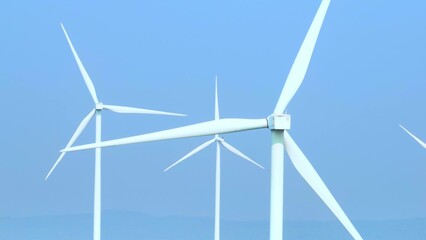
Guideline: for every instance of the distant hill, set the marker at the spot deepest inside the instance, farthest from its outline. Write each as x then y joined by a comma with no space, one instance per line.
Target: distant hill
119,225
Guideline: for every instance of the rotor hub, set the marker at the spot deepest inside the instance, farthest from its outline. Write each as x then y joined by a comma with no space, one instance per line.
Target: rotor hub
99,106
219,139
279,121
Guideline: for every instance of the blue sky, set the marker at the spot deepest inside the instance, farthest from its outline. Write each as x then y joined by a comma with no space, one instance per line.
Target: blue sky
366,76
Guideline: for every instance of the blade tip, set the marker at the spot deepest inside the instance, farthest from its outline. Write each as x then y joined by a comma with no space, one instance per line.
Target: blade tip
47,176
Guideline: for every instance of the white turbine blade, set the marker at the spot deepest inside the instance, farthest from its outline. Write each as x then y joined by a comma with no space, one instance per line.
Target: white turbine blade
197,149
301,63
216,103
196,130
83,71
74,137
415,138
122,109
308,172
237,152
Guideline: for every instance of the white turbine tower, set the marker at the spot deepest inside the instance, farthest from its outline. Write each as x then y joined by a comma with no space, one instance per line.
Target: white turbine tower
97,112
415,138
219,141
279,124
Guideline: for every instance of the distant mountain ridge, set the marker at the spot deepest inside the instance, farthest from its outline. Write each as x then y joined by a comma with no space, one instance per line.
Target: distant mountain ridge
119,225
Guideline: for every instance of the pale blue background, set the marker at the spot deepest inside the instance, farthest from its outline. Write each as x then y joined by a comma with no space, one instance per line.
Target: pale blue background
367,75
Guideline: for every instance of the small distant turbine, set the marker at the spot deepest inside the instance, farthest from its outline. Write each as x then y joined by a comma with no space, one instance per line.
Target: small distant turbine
97,112
219,141
415,138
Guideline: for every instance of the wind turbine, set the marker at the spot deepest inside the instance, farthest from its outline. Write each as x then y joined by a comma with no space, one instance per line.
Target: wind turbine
279,124
219,141
415,138
99,106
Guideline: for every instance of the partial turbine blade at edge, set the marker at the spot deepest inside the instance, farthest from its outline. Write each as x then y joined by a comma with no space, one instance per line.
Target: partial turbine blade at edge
197,149
237,152
196,130
216,102
301,63
123,109
308,172
74,137
415,138
83,71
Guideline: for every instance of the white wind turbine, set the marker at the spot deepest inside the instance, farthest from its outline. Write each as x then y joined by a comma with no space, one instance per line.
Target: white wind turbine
219,141
415,138
97,112
279,124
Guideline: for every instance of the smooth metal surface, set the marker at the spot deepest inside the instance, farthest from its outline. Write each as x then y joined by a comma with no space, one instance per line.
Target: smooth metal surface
277,186
123,109
303,58
279,121
74,137
305,168
217,195
196,130
197,149
97,187
83,71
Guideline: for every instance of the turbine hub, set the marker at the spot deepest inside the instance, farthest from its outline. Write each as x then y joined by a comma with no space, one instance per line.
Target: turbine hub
279,121
99,106
219,139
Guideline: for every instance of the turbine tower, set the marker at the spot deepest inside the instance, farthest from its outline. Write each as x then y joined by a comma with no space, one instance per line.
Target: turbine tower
99,106
219,141
279,124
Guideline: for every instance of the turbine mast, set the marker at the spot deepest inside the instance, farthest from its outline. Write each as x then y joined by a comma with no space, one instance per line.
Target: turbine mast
277,185
217,200
97,191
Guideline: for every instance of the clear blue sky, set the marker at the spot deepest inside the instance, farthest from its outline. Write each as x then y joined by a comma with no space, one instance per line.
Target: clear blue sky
367,75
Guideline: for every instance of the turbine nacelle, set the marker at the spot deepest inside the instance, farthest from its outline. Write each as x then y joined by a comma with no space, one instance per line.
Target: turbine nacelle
279,121
99,106
218,139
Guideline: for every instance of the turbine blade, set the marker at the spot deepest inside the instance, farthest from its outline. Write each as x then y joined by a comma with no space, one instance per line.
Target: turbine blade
216,103
122,109
308,172
83,71
237,152
74,137
197,149
301,63
196,130
415,138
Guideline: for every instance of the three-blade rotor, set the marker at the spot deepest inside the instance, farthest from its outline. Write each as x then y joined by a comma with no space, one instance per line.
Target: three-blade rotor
99,106
217,139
